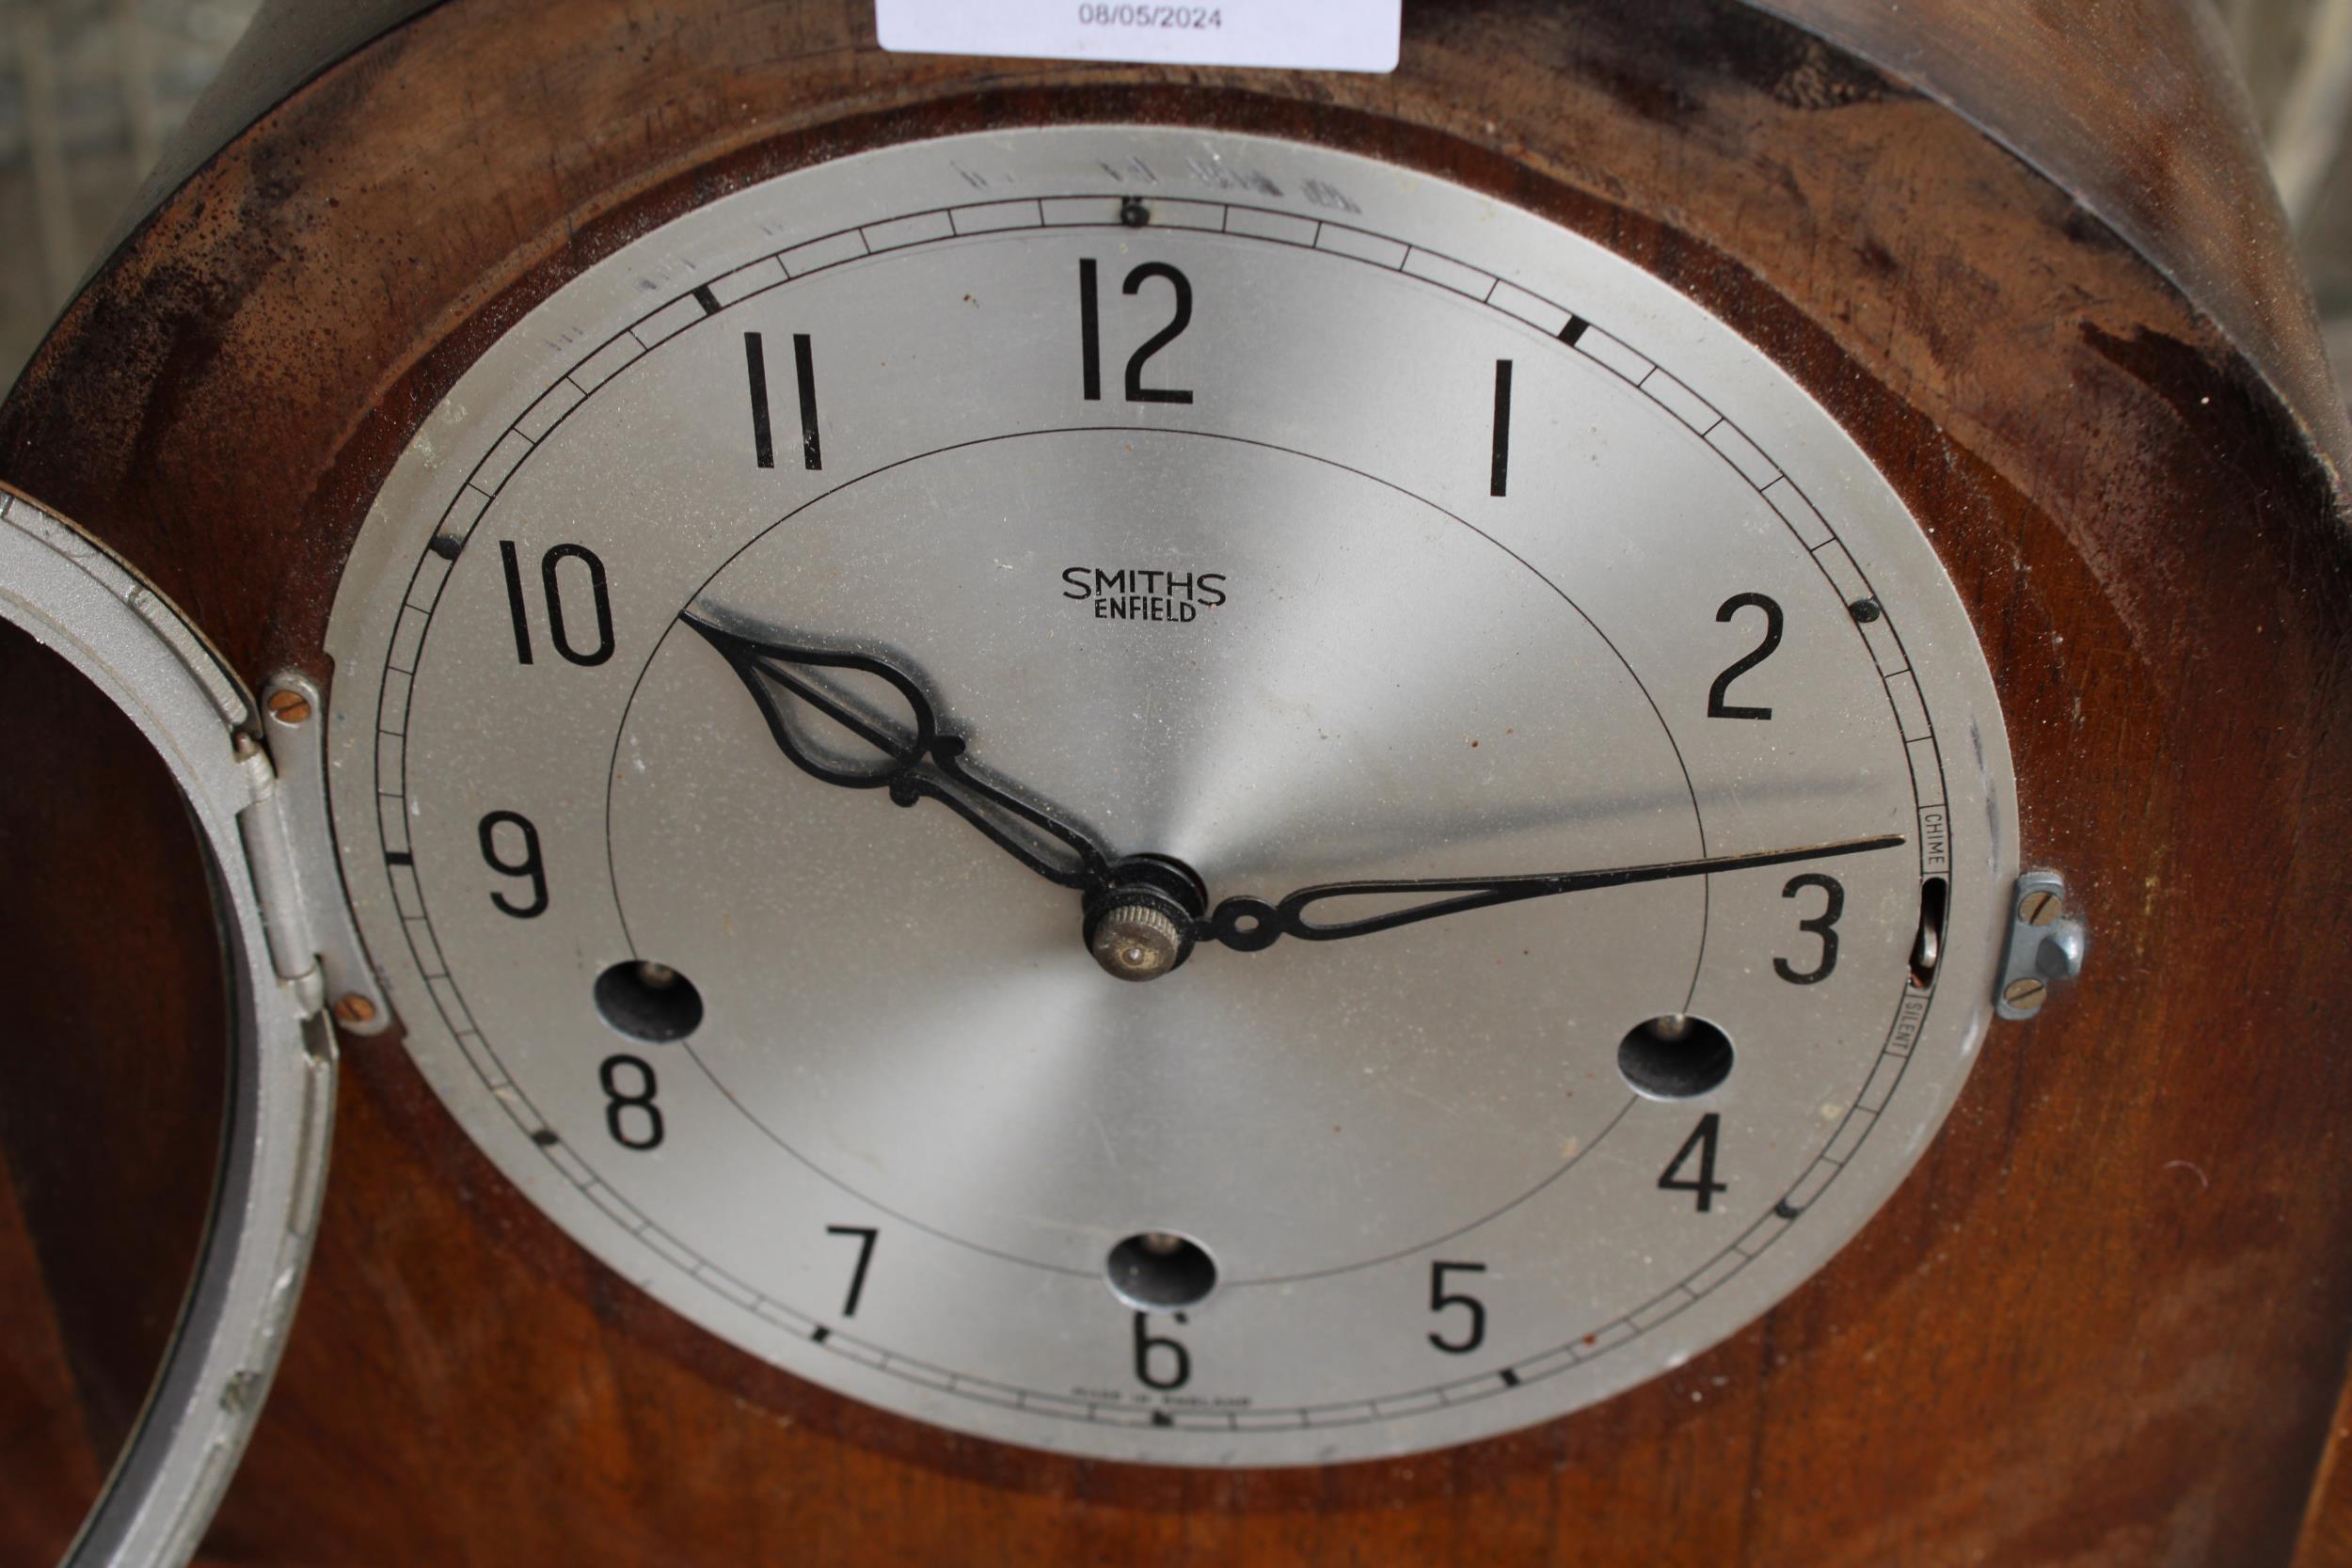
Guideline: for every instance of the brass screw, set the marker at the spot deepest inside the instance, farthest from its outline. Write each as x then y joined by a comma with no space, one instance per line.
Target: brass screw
2026,994
354,1009
2038,908
289,706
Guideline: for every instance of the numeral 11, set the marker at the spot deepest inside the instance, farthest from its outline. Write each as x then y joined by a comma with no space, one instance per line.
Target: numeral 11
804,372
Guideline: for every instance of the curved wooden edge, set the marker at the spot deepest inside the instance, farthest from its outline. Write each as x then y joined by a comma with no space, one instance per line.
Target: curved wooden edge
46,1452
2137,110
2326,1537
285,44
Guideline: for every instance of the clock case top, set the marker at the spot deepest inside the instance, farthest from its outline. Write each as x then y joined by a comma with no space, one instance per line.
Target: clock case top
2135,110
2121,1243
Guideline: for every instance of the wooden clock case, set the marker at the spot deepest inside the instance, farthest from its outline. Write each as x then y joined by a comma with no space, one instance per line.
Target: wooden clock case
2023,253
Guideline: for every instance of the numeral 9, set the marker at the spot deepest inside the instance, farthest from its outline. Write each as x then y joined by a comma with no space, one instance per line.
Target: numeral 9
530,866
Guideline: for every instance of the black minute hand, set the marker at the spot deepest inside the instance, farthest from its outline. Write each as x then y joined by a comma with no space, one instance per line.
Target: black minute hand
1247,923
907,755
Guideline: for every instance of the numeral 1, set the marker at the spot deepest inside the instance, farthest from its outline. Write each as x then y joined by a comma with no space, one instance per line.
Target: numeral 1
1500,478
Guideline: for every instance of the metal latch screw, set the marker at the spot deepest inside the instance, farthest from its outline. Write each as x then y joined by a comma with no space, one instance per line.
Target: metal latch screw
2045,945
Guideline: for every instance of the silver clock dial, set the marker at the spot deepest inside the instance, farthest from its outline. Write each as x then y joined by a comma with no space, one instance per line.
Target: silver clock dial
799,658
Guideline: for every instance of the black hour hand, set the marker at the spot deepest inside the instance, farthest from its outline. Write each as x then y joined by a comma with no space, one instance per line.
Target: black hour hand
857,722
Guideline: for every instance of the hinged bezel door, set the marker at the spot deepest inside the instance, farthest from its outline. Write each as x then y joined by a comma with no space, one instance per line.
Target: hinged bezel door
81,602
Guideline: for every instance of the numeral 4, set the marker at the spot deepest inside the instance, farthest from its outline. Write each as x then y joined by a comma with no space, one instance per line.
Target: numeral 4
1699,1146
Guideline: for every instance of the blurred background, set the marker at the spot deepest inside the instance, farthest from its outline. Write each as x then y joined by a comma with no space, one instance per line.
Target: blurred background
89,92
91,89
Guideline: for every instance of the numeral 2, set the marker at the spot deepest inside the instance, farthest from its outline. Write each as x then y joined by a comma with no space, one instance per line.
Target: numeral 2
1090,332
1716,707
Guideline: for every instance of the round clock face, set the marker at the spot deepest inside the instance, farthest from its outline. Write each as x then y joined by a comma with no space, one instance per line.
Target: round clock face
1169,796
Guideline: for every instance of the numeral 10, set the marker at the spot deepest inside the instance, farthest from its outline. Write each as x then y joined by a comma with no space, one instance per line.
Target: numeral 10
552,580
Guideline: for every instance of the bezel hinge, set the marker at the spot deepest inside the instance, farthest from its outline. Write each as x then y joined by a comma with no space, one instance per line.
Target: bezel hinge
290,847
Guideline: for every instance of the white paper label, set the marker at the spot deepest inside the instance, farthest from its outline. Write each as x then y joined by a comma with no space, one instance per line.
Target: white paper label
1306,35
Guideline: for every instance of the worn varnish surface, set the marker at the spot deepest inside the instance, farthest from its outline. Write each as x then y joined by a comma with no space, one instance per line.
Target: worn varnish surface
2135,107
2105,1320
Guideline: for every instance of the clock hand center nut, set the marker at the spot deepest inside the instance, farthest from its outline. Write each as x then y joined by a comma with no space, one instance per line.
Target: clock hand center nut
1137,940
1140,925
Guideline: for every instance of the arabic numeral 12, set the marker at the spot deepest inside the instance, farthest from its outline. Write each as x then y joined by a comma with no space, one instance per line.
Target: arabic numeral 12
1090,331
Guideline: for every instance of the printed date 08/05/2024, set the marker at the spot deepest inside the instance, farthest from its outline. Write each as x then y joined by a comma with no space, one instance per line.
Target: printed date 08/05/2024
1185,18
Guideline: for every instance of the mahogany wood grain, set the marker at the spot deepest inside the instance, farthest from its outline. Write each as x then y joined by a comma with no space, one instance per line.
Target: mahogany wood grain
48,1473
2103,1322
